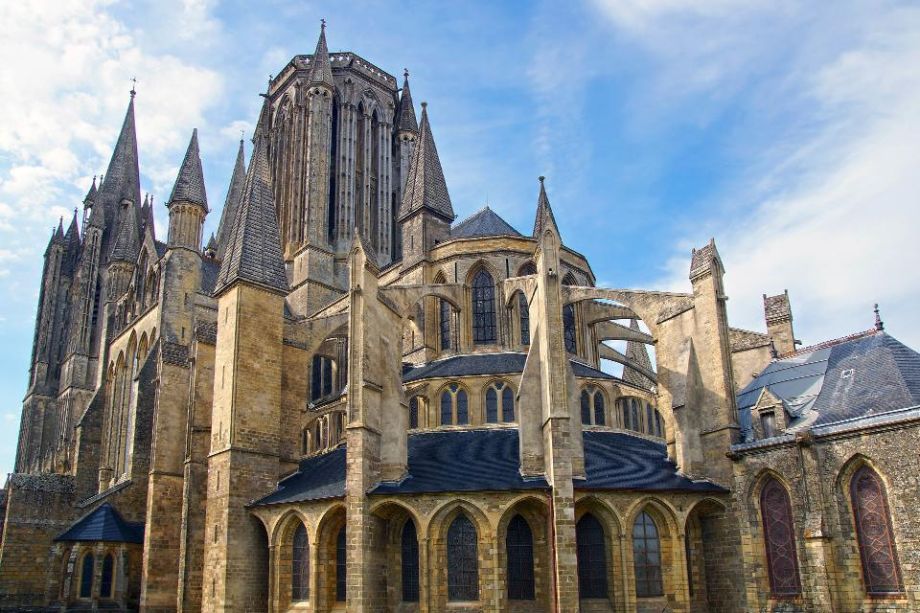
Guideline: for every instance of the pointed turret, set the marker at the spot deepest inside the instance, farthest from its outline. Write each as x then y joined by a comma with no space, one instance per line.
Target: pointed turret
127,238
425,186
321,69
147,216
544,218
90,197
122,179
253,252
59,233
234,193
73,231
188,202
406,121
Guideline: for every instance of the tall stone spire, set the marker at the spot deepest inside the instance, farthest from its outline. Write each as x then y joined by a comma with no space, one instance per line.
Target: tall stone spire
234,193
127,238
321,72
406,121
425,186
122,179
637,353
189,185
544,217
253,252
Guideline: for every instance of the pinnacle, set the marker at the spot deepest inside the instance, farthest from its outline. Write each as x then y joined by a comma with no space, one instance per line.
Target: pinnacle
189,185
122,178
544,218
321,73
127,243
407,121
234,193
425,185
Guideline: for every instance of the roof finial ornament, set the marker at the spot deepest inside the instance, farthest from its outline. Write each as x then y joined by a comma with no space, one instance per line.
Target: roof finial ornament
424,105
406,73
322,24
879,324
133,87
242,135
541,178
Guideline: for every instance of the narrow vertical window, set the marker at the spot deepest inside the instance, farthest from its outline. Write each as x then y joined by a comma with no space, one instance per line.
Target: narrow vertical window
634,414
768,424
300,565
447,408
649,419
873,531
413,412
483,308
462,560
591,552
86,576
600,414
779,539
463,416
658,429
524,314
647,557
340,567
108,574
568,326
519,549
444,324
507,404
491,405
409,551
624,409
688,554
585,408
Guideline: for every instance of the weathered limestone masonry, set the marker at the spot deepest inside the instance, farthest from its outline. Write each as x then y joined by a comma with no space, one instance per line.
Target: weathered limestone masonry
348,400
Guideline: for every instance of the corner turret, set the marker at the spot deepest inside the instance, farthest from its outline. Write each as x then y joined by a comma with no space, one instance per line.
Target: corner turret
188,203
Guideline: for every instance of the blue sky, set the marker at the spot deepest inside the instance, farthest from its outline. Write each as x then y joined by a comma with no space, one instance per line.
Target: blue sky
786,130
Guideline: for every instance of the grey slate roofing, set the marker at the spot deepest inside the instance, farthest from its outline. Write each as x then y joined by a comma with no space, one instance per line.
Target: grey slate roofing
234,194
701,258
321,72
253,251
122,178
486,364
776,307
488,460
189,185
484,222
160,247
544,217
614,460
210,269
104,524
425,185
858,376
406,121
91,194
127,244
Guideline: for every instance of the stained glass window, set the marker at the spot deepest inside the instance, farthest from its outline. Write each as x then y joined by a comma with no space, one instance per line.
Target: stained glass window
507,404
86,576
409,562
300,565
519,547
600,417
568,327
413,412
447,408
624,408
491,405
340,566
524,311
444,324
779,539
108,573
462,560
647,556
483,308
463,416
873,530
591,551
585,408
528,268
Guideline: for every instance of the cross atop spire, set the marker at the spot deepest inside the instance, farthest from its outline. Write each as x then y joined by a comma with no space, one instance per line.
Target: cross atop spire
321,73
406,121
122,178
133,87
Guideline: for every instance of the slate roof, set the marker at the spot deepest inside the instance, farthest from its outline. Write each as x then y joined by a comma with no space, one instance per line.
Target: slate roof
486,364
253,251
210,269
425,185
104,524
406,121
858,376
234,194
189,185
122,178
317,478
615,461
484,222
544,217
701,258
321,72
127,244
777,307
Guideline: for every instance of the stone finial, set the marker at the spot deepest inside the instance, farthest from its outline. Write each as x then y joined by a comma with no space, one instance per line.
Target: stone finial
879,324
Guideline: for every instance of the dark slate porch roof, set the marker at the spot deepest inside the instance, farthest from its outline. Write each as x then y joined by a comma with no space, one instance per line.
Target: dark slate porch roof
486,364
104,524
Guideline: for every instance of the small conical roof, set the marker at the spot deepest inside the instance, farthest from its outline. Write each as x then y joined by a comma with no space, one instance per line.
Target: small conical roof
91,194
73,231
253,252
122,179
321,69
127,242
406,121
189,185
147,216
234,193
211,247
59,233
544,217
425,185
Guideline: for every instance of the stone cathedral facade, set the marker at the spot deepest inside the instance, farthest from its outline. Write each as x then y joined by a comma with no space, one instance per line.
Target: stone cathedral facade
347,400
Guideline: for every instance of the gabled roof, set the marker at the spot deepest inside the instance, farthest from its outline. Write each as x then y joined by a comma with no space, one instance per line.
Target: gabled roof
234,194
861,375
104,524
484,222
425,185
486,364
189,186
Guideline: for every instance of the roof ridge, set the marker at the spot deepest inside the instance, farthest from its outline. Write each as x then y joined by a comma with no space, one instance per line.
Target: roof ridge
830,343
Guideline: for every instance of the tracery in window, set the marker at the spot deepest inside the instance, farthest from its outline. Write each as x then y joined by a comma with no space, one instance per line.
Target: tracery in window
519,549
321,377
881,571
483,291
409,551
462,560
647,556
568,327
591,552
779,539
300,565
593,406
454,406
499,402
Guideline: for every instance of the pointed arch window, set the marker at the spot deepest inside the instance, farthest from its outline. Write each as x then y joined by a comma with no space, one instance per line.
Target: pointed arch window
647,557
591,552
444,323
519,549
649,419
878,554
409,550
483,308
568,325
340,566
779,539
462,560
321,377
593,406
414,404
499,403
585,408
454,406
86,576
300,565
107,581
524,313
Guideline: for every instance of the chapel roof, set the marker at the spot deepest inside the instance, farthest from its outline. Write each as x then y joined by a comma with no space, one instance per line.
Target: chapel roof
104,523
484,222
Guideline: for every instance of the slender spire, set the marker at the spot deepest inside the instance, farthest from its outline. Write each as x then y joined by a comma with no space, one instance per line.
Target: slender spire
210,250
90,197
879,324
425,185
127,240
73,231
264,123
189,185
253,252
321,72
59,233
147,216
544,218
406,121
234,193
122,179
